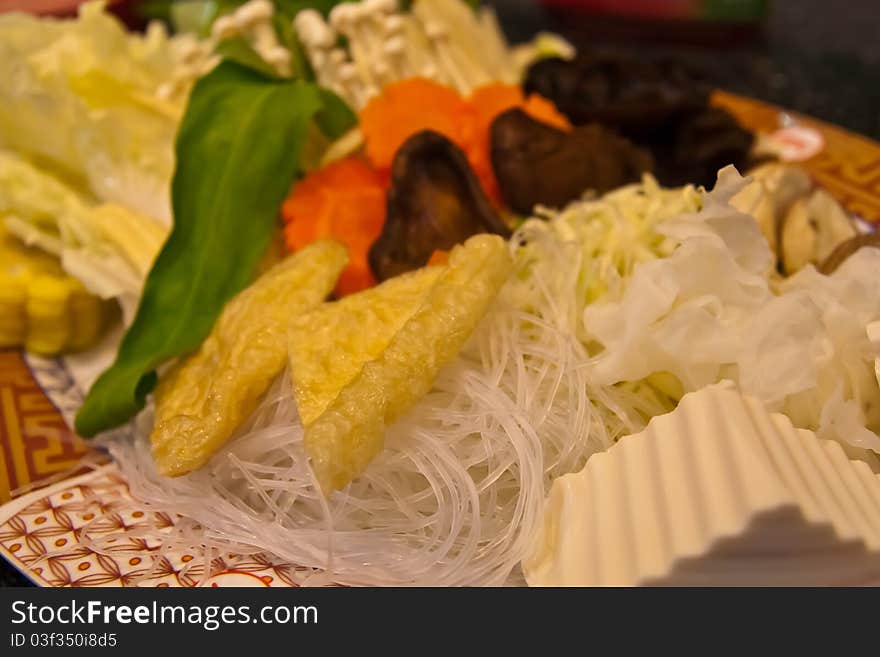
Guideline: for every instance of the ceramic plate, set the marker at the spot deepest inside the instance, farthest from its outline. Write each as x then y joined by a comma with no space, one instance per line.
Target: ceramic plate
52,485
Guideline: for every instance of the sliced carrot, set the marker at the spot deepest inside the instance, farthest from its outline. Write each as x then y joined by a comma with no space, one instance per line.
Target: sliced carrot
344,201
492,99
407,107
439,257
543,110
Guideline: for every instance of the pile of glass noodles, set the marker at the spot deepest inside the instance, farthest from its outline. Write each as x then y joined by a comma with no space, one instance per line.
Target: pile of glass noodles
458,492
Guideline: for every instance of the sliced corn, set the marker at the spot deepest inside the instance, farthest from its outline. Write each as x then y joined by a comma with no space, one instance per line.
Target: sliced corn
42,308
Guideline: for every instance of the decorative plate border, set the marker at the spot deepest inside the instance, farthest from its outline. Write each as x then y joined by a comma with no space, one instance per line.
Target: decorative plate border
40,535
55,380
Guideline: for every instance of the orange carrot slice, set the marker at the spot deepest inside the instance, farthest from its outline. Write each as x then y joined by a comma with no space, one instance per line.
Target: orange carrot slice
344,201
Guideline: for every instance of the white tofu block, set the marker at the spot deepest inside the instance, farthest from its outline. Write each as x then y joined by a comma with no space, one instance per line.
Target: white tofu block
717,492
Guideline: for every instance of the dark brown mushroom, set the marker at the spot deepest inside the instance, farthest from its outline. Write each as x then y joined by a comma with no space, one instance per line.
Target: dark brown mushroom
846,249
435,202
699,145
538,164
658,103
634,95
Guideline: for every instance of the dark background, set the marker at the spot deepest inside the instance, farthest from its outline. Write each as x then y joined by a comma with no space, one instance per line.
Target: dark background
814,56
817,57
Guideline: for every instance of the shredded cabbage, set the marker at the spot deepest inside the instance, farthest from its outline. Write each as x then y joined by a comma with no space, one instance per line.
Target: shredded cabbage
108,247
84,96
612,234
714,309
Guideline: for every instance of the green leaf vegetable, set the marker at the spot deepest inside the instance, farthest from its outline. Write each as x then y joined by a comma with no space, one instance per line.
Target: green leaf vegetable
335,117
238,150
240,51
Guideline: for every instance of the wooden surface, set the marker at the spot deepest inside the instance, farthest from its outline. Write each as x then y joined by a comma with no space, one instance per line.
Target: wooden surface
848,166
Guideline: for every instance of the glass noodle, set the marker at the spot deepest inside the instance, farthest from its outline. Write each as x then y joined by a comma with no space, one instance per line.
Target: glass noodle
453,498
456,495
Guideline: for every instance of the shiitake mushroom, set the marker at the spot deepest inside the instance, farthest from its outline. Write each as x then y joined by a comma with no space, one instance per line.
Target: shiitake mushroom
699,145
848,248
802,224
657,103
812,229
538,164
636,96
769,197
435,202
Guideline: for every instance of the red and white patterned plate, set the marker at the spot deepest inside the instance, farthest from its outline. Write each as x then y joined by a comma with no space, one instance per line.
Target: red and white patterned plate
41,532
